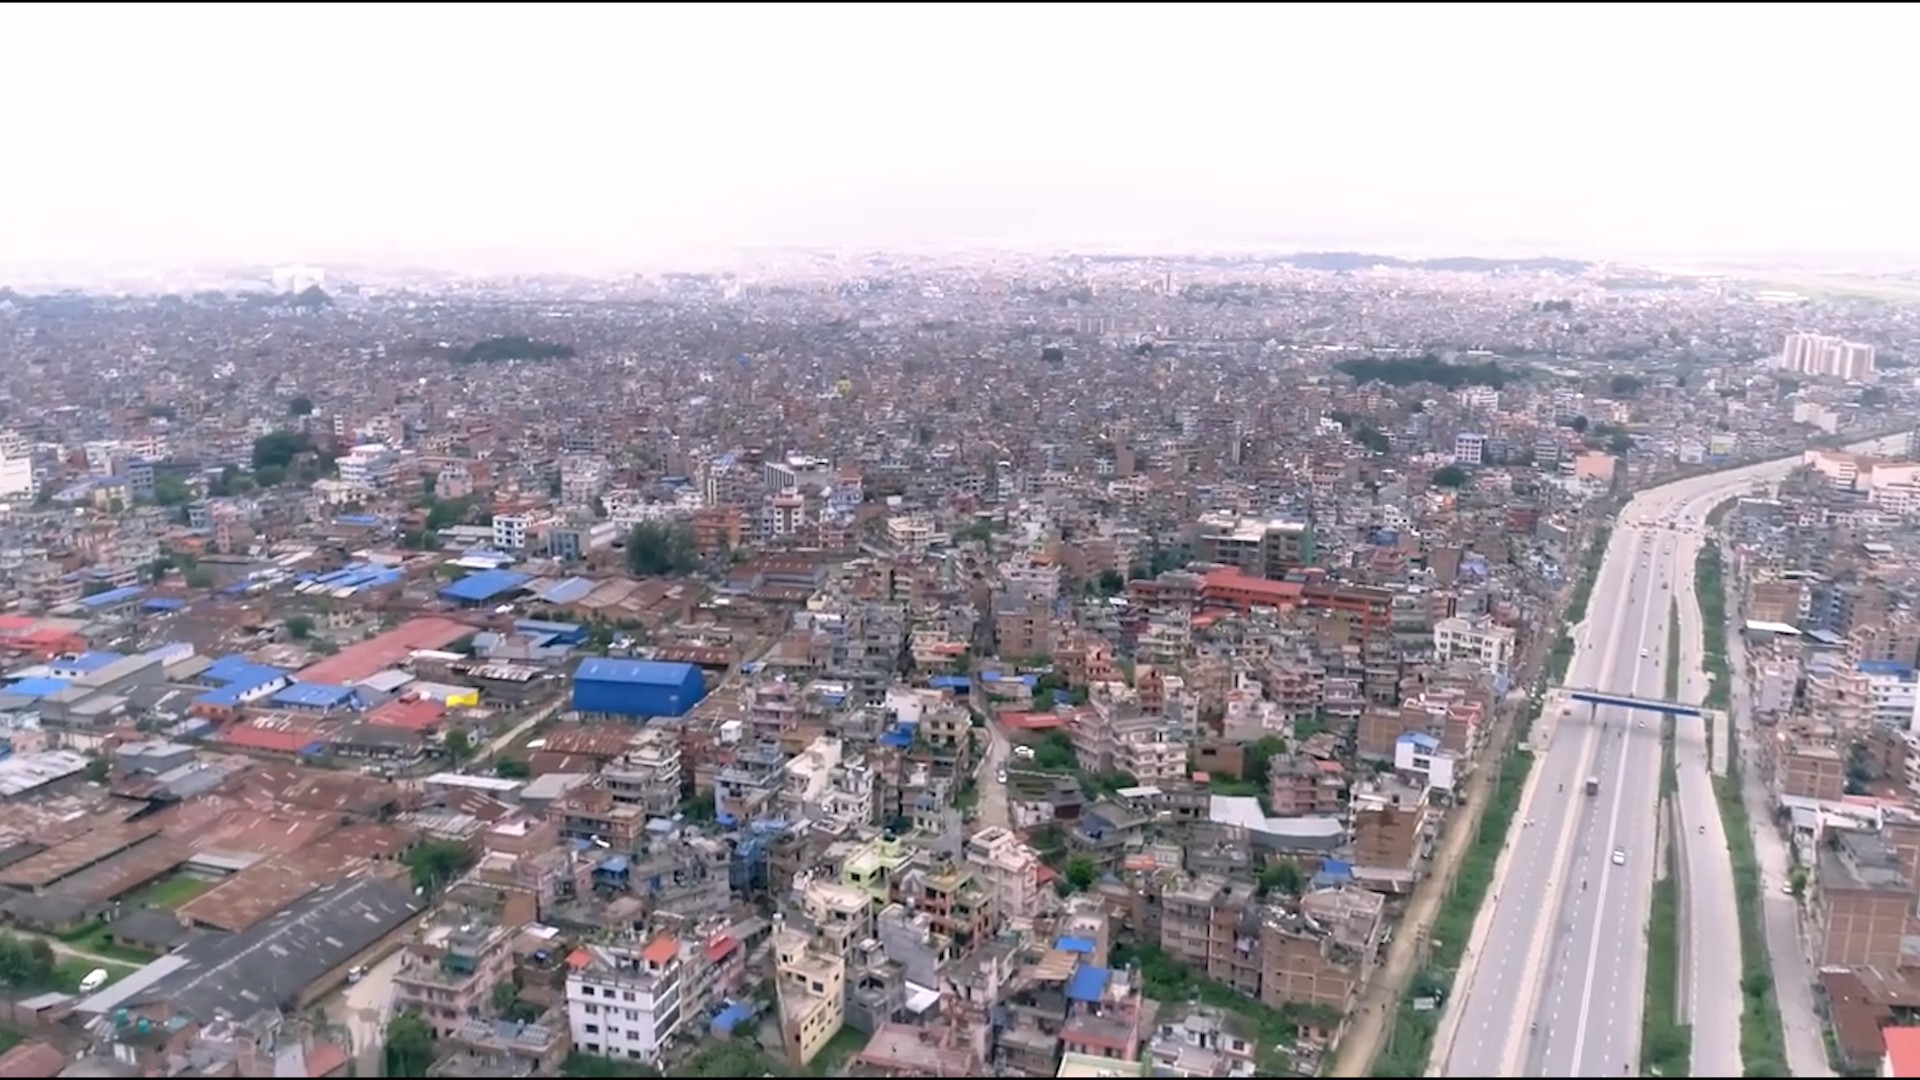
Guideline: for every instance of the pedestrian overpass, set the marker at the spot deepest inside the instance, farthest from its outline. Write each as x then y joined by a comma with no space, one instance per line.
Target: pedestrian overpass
1621,701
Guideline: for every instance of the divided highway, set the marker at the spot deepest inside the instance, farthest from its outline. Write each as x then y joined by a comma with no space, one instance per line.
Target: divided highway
1553,981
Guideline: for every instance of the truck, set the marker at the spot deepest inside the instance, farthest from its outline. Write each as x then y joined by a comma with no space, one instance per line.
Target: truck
1593,785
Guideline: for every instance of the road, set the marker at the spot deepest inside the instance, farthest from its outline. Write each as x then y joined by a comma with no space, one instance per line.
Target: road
1553,980
992,807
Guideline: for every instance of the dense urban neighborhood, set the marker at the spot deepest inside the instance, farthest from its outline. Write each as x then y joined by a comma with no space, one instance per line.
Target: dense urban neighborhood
893,667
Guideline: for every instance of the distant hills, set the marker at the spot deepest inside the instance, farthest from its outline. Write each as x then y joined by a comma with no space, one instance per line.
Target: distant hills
1461,264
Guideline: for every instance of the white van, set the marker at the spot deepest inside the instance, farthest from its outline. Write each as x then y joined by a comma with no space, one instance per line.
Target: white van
95,979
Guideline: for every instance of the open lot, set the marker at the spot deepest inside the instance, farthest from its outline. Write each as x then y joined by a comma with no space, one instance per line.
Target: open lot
171,892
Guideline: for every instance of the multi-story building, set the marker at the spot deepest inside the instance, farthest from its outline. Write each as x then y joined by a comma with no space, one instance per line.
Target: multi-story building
810,983
626,1004
1825,356
1480,641
448,975
369,466
649,773
1009,870
1257,548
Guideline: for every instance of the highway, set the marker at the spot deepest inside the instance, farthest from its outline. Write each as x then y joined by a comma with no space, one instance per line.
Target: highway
1553,979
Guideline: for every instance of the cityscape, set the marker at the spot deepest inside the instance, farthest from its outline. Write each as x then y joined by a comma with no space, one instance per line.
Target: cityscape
920,541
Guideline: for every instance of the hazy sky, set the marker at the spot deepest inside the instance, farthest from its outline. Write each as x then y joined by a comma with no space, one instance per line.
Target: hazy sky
607,135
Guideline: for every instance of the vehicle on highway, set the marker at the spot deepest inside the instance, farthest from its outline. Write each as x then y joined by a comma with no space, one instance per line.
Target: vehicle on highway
1643,654
1619,856
1593,785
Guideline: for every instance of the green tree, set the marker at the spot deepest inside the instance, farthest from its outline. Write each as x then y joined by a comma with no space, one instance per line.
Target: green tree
512,768
1082,872
437,862
410,1046
99,770
25,963
301,405
1452,476
1112,582
299,627
459,744
1283,877
1625,385
277,449
659,548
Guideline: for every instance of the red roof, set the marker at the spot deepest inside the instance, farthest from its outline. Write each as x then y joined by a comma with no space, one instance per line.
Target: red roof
1032,721
409,714
273,740
719,947
660,950
356,662
1903,1050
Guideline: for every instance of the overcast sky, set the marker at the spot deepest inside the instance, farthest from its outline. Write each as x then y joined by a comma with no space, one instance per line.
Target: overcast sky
603,136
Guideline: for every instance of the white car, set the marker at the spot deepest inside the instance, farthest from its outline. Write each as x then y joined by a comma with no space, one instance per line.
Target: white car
1000,777
1619,856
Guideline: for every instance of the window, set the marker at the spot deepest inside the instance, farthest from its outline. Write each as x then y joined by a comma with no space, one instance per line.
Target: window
627,996
593,1029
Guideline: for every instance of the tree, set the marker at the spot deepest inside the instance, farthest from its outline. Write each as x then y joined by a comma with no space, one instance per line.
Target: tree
1112,582
1451,476
25,963
459,744
99,770
410,1049
1082,872
1625,385
437,862
1579,425
277,449
299,627
660,548
1256,759
1620,442
1283,877
512,768
301,405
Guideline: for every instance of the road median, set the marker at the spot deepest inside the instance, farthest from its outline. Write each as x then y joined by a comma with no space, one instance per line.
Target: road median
1763,1045
1666,1041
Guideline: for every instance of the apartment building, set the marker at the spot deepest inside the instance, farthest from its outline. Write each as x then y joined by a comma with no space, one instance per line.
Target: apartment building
810,983
1257,548
1008,869
1299,786
1321,950
648,774
625,1003
1862,902
1826,356
1480,641
449,973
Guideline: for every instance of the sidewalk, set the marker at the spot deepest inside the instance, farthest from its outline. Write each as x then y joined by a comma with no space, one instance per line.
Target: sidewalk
1379,1002
1804,1031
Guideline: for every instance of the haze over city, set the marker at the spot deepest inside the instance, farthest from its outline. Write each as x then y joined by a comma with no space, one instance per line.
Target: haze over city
590,138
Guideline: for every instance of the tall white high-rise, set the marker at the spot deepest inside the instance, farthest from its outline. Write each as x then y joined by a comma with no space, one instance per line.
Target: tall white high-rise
1824,356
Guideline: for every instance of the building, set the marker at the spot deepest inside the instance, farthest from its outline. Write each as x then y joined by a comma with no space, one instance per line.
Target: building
368,467
448,976
1261,549
1469,448
811,986
636,689
1481,641
1824,356
625,1004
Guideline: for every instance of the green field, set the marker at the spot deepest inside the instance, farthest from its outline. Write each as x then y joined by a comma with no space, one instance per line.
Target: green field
170,892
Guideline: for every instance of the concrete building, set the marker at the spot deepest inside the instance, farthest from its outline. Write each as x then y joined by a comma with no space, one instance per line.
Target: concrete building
1825,356
449,973
625,1004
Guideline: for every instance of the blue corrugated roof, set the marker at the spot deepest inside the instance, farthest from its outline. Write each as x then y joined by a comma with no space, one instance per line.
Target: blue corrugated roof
239,671
37,688
1886,667
313,695
641,672
226,695
357,519
112,597
1075,945
950,682
163,603
896,739
485,585
1421,739
1089,983
90,661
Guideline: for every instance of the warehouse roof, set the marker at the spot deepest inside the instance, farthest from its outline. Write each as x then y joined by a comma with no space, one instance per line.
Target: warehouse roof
239,671
637,672
485,585
314,696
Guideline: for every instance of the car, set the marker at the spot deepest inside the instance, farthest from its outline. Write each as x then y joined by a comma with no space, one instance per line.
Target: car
1000,777
356,973
1786,888
1644,654
1619,856
95,979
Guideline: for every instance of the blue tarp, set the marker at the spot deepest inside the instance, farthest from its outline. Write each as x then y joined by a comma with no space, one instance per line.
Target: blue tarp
1083,946
731,1017
163,603
1089,984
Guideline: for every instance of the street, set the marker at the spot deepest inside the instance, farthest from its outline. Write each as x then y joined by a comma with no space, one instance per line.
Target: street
1552,983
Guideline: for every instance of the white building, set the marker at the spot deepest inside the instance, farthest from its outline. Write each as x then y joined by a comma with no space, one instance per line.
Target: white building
1823,356
369,466
1480,640
624,1003
510,531
1469,448
1419,754
1009,869
1891,694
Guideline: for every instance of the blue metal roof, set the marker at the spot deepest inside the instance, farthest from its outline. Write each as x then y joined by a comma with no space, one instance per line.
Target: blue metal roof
91,661
1080,945
239,671
163,603
314,695
1089,983
357,519
639,672
1421,739
950,682
112,597
1887,667
37,688
485,585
